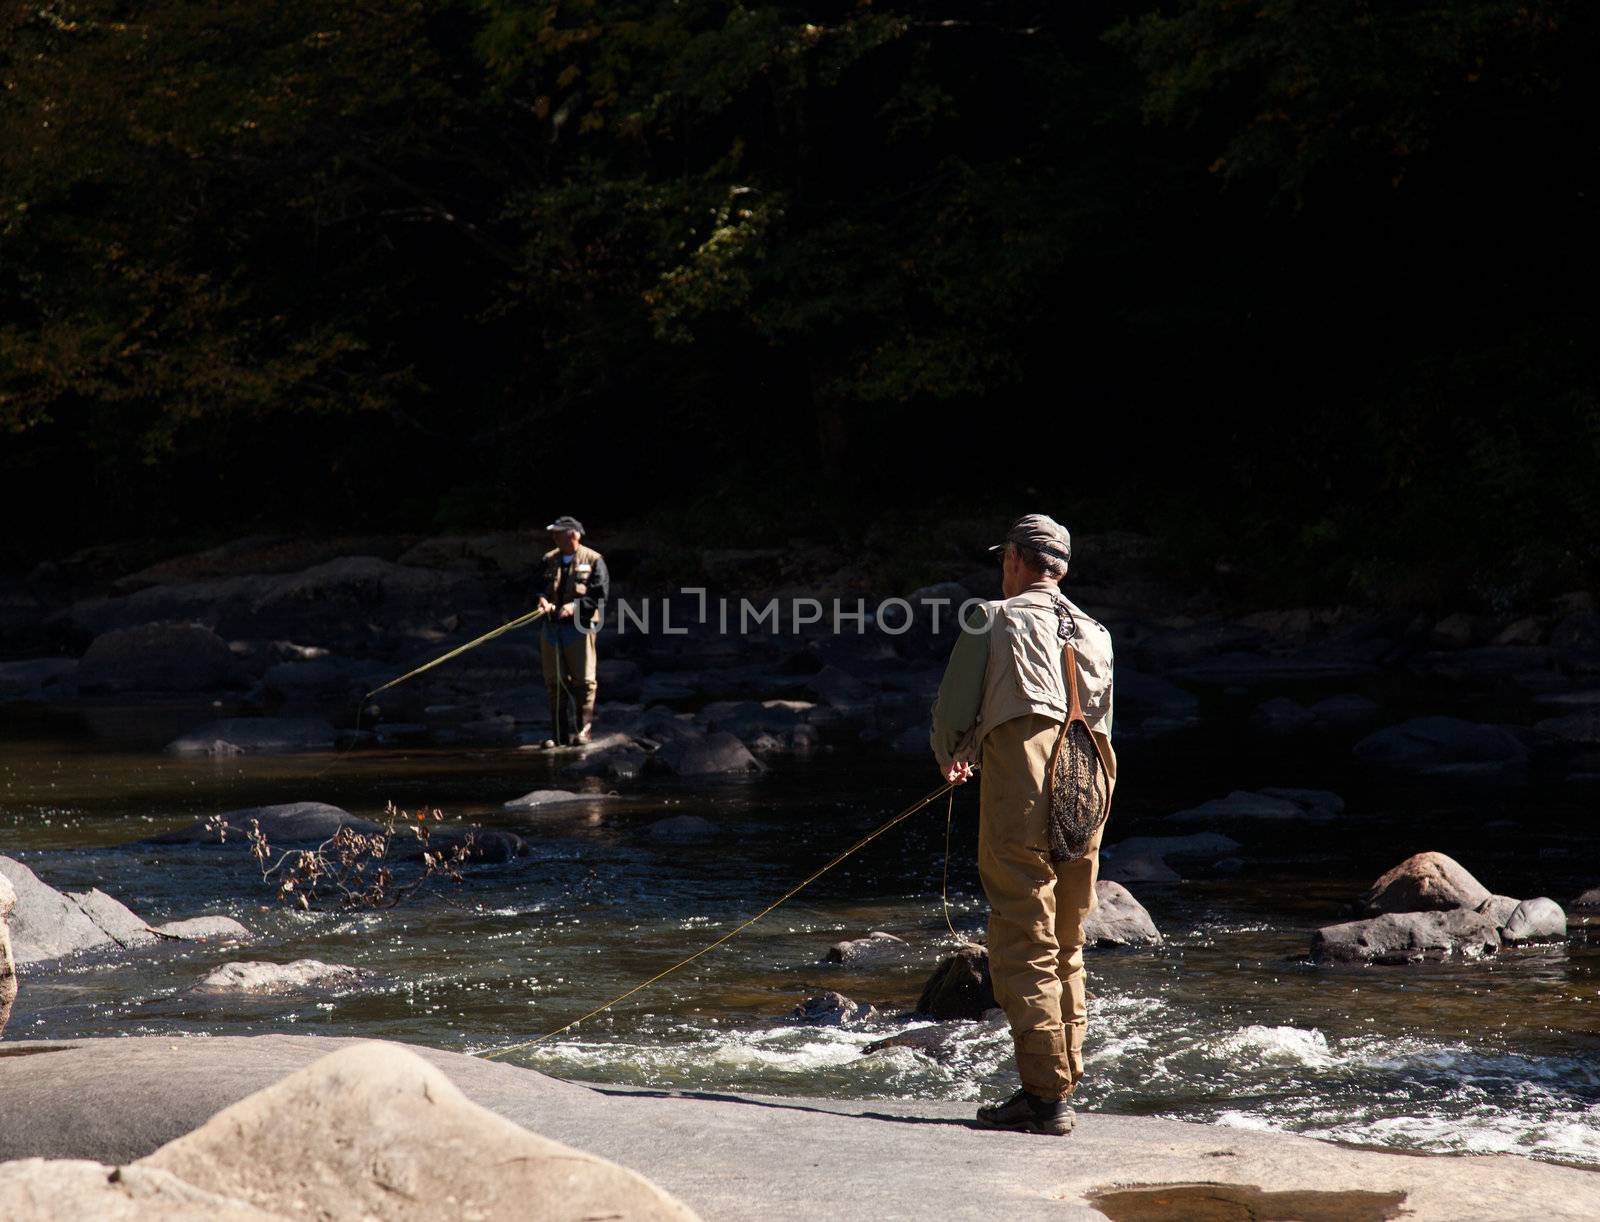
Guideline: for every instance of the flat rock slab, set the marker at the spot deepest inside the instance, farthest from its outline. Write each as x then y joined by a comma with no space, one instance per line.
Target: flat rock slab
1408,937
255,976
732,1157
48,924
542,799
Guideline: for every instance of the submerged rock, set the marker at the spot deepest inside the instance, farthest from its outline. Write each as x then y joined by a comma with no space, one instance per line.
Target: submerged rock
960,986
1119,920
717,754
1535,920
541,799
255,736
205,929
1275,805
260,977
683,829
1443,746
874,947
831,1009
287,823
1424,882
942,1041
1407,937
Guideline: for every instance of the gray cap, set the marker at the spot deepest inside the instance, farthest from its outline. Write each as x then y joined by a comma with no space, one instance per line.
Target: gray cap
566,522
1042,533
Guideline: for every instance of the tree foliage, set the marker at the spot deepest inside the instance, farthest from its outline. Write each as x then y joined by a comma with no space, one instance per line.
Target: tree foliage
1284,280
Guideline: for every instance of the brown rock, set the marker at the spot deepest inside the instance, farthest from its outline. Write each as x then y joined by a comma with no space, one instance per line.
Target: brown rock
376,1132
1424,882
960,986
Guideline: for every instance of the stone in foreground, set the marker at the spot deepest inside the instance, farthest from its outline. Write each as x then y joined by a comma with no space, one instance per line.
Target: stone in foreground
1424,882
376,1132
1407,937
1536,920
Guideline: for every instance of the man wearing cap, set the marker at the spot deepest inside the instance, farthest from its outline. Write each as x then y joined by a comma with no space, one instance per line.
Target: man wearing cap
573,590
1001,706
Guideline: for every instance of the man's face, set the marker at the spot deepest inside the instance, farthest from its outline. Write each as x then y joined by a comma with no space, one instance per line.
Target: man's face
565,540
1014,579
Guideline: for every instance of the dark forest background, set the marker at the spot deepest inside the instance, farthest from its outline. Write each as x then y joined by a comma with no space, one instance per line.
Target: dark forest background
1298,288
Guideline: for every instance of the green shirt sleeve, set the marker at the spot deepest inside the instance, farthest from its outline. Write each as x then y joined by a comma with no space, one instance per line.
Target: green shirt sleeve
955,710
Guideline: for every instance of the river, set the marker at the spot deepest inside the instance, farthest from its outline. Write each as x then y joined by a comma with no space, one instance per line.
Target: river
1227,1022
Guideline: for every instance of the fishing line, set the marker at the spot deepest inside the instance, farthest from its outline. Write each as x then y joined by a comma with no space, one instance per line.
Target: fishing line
919,804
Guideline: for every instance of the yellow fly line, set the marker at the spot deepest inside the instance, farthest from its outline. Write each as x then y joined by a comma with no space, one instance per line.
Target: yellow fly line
919,804
458,651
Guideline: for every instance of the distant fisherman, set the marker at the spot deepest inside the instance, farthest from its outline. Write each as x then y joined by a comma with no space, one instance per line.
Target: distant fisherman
1002,703
572,595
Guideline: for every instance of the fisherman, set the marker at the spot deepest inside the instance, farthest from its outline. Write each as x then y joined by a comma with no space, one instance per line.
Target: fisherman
1001,705
573,590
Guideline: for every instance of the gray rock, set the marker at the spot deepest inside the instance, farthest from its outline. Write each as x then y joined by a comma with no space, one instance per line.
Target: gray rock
960,986
288,823
1280,715
159,658
8,966
1498,908
1424,882
115,920
543,799
1588,900
48,924
1407,937
205,929
1443,746
1536,920
831,1009
1315,806
856,952
683,829
614,756
1119,920
1582,727
278,978
255,736
38,679
718,754
942,1041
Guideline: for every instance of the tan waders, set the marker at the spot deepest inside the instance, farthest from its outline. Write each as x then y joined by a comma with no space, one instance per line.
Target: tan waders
1037,908
567,657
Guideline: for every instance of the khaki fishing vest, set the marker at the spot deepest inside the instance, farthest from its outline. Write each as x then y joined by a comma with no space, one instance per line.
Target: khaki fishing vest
1025,674
583,562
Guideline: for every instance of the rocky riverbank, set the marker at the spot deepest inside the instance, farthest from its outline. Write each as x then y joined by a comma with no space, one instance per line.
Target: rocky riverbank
152,1144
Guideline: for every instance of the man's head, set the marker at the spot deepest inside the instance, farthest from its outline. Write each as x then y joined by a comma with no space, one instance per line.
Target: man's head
1037,548
565,532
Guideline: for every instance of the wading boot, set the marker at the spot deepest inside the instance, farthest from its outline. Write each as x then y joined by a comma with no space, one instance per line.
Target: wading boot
1025,1113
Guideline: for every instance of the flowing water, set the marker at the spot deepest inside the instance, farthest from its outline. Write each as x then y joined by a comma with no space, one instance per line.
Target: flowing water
1225,1023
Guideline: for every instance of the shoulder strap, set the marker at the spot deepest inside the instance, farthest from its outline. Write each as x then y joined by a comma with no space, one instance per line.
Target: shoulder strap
1069,664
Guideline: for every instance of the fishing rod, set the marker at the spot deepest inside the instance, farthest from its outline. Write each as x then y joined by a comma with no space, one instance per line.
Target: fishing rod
508,626
947,788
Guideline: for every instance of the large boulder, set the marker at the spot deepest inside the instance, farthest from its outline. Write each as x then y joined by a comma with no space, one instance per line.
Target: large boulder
1424,882
1535,920
1407,937
255,736
717,754
8,966
47,924
960,986
159,658
1443,746
1498,908
1119,919
375,1132
48,1190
